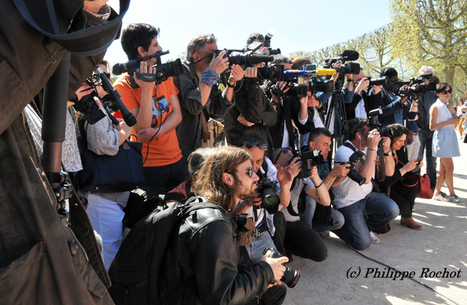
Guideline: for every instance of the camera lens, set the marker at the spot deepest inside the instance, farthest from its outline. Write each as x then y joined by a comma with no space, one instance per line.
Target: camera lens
291,276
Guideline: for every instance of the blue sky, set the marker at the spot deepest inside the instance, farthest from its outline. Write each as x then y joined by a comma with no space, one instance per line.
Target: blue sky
308,26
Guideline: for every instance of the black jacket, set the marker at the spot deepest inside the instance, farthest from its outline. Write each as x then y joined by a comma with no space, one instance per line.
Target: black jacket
202,263
253,104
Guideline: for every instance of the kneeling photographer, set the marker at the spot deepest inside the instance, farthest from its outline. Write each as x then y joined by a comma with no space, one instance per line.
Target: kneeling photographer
327,218
262,207
293,234
403,186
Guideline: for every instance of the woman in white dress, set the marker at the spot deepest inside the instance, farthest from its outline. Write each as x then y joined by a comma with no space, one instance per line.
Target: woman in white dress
443,119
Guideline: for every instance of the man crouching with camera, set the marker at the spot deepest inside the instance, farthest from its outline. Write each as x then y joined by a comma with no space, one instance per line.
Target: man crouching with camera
202,262
364,211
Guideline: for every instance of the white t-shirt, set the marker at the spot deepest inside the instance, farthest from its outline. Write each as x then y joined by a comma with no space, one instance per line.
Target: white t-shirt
348,192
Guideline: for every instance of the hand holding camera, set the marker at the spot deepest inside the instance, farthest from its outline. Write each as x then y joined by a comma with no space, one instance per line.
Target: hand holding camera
285,274
219,63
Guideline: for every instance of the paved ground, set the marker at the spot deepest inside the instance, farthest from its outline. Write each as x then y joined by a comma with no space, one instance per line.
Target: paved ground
441,245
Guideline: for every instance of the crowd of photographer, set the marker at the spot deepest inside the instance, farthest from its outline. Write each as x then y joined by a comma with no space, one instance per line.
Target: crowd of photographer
277,177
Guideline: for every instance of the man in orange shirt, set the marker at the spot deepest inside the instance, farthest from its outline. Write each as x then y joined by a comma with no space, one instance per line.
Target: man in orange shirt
157,111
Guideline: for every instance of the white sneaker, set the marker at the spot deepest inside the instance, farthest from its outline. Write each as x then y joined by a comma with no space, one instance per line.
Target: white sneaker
440,197
454,198
374,238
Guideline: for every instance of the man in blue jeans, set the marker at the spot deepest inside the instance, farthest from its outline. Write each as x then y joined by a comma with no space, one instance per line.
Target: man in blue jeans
425,135
364,211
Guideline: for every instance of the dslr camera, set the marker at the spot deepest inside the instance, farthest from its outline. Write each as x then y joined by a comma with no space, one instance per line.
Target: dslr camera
269,199
309,158
291,276
353,174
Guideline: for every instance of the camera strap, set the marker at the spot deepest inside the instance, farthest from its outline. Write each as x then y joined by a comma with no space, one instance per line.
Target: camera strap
301,204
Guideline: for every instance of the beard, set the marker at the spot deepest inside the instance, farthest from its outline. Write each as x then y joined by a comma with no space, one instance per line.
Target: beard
245,191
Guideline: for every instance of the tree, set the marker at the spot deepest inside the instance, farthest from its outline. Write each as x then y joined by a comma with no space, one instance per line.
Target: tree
431,32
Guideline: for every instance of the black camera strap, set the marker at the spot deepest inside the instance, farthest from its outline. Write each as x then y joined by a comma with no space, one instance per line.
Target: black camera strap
301,204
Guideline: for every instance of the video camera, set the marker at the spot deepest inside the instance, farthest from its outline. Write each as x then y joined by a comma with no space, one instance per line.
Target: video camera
417,86
267,43
89,108
244,58
347,68
269,199
382,81
163,71
308,79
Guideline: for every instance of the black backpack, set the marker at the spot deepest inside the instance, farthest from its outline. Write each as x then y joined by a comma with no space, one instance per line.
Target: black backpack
136,267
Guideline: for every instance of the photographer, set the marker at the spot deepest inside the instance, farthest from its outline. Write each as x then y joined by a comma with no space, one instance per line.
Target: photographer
402,187
293,234
200,96
291,110
252,113
254,207
424,133
156,108
321,140
364,211
202,263
391,104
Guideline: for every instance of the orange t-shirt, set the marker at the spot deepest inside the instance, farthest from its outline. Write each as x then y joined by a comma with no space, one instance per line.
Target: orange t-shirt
163,150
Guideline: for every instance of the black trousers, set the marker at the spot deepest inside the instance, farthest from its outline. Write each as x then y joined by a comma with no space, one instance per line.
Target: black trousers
404,197
273,296
298,238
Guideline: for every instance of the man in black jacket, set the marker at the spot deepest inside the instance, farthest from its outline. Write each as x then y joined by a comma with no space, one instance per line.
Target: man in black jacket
202,263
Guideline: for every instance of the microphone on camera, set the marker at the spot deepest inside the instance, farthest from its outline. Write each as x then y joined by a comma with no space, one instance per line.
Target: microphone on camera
324,72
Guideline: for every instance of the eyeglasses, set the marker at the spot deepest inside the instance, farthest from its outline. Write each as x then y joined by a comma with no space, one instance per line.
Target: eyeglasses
249,171
251,144
283,150
447,91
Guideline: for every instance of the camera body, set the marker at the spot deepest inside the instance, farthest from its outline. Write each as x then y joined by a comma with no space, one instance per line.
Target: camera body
163,72
309,158
291,276
382,81
347,68
269,199
417,86
87,104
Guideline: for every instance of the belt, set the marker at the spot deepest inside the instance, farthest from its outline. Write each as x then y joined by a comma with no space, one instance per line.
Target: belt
262,228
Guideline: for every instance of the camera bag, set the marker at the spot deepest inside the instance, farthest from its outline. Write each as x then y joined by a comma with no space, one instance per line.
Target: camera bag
136,267
107,174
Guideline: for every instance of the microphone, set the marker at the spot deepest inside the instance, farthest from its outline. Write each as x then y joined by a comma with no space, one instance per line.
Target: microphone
128,117
324,72
295,73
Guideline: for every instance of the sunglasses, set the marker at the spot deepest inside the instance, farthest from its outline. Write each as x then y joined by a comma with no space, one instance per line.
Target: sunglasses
251,144
283,150
249,171
447,91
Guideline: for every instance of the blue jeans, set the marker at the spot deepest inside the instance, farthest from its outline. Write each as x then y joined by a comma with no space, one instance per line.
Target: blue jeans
258,244
369,214
337,219
426,141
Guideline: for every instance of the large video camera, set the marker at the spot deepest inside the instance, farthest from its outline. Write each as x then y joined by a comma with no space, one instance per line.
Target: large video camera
382,81
416,86
308,79
244,58
91,111
269,199
163,71
347,68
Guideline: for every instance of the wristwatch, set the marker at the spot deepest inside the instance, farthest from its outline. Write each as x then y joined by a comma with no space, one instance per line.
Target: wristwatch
388,154
231,86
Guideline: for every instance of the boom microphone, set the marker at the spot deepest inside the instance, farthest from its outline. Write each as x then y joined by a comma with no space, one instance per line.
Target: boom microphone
350,55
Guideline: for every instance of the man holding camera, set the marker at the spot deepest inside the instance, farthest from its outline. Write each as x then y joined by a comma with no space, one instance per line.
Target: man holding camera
156,108
200,96
202,264
391,104
424,133
320,140
254,207
364,211
293,234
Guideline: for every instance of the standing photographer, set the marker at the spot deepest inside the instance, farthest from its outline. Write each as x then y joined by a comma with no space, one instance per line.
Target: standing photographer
105,210
157,110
